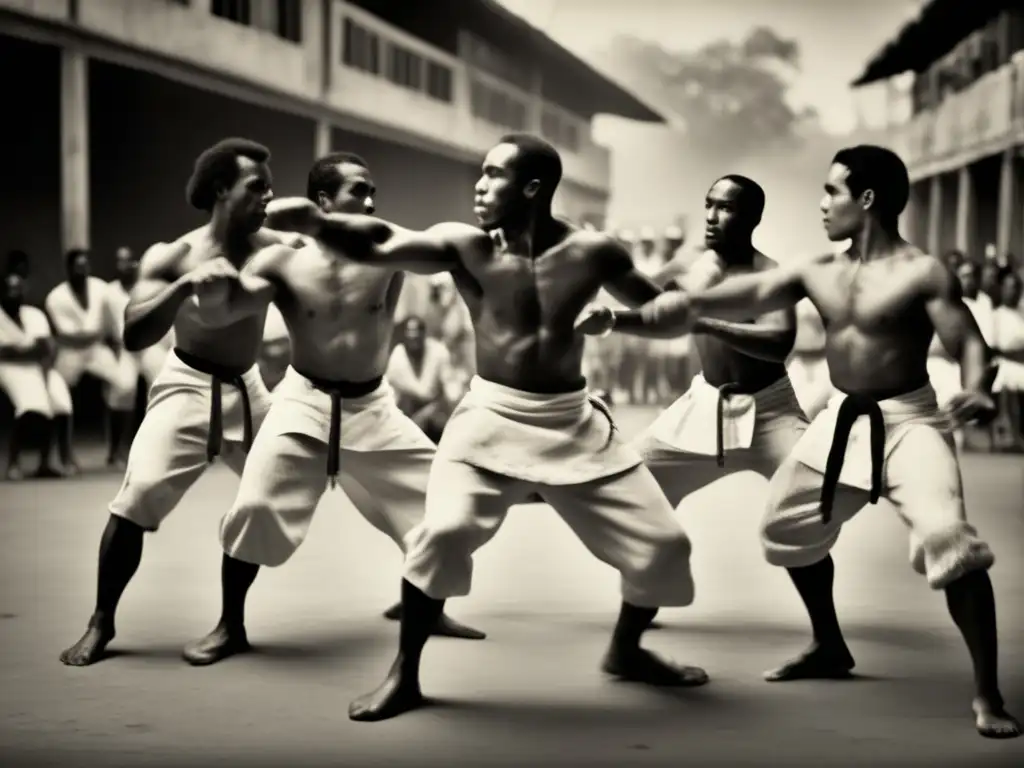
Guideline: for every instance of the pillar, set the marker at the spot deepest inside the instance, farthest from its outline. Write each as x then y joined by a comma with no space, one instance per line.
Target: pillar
322,139
74,148
1008,205
933,237
965,212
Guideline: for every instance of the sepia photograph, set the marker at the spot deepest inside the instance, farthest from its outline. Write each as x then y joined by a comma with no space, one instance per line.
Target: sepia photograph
514,383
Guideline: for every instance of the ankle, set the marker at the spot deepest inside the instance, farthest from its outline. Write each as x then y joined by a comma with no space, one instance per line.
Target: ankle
102,620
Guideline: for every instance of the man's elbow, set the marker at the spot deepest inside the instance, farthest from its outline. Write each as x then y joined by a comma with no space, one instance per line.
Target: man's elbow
135,338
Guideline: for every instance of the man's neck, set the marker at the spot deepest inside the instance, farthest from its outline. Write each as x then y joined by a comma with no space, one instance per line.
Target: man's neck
127,282
875,242
736,255
77,282
528,237
236,244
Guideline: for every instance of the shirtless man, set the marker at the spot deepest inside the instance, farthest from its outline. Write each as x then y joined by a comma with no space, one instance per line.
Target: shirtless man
189,419
741,413
334,417
881,302
527,424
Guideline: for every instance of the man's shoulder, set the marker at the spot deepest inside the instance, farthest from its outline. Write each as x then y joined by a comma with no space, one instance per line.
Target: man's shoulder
33,314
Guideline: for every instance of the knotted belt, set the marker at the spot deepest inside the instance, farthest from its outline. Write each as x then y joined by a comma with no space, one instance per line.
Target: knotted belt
339,390
852,407
724,393
220,375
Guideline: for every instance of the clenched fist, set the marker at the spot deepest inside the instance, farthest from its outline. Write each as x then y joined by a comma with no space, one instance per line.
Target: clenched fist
294,214
211,284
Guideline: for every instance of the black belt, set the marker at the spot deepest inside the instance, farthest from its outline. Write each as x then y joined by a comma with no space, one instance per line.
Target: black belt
724,393
852,407
339,390
220,375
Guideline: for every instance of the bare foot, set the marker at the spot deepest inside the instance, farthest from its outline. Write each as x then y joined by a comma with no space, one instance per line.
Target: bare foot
816,663
46,472
993,721
446,626
216,646
71,469
393,698
90,648
14,473
642,666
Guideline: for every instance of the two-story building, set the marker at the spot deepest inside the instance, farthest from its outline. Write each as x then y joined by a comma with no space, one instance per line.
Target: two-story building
108,102
965,137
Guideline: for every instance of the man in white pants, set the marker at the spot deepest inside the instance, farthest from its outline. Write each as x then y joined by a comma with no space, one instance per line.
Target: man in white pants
39,395
145,362
334,418
77,310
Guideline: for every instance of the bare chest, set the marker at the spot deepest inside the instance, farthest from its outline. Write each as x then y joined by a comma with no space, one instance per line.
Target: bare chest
332,290
866,296
547,290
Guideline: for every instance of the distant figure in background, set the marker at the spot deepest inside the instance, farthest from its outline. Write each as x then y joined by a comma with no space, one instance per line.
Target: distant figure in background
943,370
145,363
275,354
419,371
808,368
651,383
1008,348
39,395
448,320
77,311
990,279
953,260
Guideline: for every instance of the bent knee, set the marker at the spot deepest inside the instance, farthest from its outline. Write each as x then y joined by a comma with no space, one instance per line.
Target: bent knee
950,553
258,532
796,540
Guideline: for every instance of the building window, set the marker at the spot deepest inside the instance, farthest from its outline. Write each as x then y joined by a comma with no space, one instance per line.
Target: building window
485,57
405,68
289,20
497,107
237,11
439,82
361,49
560,130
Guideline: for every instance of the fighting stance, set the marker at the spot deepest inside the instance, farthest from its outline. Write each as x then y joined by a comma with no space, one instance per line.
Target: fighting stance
881,302
740,413
146,362
334,417
209,399
39,395
77,311
527,424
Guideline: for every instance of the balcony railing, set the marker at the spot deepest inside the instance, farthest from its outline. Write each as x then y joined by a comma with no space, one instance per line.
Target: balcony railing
387,76
978,121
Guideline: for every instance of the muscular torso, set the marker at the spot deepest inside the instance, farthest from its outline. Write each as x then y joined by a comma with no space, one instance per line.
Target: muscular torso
877,328
236,346
340,315
524,309
724,364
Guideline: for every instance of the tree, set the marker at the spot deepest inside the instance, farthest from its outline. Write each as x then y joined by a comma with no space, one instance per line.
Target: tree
729,94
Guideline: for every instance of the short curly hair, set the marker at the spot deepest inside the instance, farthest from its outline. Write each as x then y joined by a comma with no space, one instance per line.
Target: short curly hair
217,167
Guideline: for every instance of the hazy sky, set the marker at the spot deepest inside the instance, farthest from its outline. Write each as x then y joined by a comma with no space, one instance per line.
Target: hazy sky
837,37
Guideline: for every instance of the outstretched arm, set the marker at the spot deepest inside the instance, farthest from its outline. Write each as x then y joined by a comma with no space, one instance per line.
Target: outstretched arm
256,286
769,337
957,329
762,293
374,241
156,297
623,280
